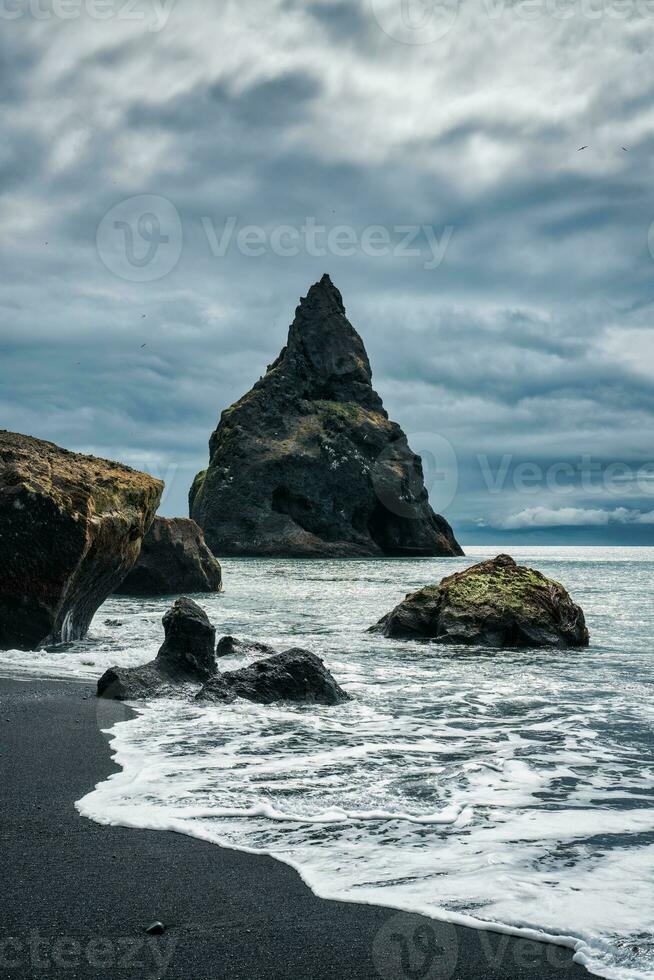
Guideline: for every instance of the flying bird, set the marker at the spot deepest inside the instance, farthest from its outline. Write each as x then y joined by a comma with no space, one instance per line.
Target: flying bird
143,345
582,148
625,149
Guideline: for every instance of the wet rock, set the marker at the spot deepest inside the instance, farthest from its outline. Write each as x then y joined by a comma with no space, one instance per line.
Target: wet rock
71,528
229,646
295,675
308,463
155,929
496,603
174,559
187,656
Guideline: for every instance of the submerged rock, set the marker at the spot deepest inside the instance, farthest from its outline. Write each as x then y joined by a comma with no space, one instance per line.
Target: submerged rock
495,604
71,528
229,646
308,463
295,675
174,558
187,656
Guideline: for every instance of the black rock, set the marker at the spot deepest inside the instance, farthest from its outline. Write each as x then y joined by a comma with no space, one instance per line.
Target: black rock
308,463
187,656
71,528
174,559
295,675
229,646
493,604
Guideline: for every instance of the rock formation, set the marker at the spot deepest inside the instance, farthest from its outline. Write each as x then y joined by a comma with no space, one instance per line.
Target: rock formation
230,646
187,659
71,528
494,604
187,656
307,463
174,559
295,675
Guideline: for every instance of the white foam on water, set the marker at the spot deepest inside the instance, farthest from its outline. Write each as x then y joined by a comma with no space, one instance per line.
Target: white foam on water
512,791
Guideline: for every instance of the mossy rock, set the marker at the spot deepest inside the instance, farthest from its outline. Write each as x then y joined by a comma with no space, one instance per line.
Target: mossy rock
494,604
71,528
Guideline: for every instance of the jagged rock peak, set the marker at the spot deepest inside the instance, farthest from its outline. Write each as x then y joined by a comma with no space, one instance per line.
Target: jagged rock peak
308,463
324,340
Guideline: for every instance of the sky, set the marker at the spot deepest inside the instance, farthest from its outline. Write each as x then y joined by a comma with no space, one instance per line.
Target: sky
174,176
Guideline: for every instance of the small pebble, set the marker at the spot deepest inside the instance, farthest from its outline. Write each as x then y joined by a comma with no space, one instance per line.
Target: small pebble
156,929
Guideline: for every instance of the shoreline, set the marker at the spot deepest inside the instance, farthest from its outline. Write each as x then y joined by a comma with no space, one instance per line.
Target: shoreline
78,895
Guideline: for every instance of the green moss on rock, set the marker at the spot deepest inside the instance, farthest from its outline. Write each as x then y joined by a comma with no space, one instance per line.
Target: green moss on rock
495,603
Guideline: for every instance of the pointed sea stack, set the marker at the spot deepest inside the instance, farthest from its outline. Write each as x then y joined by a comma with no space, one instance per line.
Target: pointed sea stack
308,464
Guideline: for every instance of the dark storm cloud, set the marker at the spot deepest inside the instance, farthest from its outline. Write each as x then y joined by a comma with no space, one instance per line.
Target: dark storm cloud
344,21
529,338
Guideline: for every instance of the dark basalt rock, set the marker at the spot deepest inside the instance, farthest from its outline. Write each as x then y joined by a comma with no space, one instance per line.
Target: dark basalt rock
187,656
71,528
174,558
307,463
295,675
229,646
494,604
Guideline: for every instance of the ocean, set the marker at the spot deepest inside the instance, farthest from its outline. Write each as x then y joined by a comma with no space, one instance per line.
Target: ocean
508,789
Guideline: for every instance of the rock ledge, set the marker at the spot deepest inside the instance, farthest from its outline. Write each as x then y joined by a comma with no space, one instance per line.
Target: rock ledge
71,528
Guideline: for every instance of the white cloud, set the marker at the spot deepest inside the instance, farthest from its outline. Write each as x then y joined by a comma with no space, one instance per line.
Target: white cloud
575,517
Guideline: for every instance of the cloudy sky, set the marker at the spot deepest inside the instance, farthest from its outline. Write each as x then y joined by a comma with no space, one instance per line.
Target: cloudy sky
176,175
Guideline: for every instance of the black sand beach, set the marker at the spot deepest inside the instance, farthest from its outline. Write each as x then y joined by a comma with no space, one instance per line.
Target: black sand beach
76,896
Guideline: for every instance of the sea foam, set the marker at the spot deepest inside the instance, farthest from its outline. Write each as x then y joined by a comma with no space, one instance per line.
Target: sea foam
509,790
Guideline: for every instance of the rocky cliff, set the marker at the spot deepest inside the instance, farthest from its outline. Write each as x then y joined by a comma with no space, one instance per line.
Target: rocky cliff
71,528
308,463
174,559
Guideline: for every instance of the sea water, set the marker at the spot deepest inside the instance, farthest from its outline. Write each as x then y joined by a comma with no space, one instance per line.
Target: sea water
508,788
